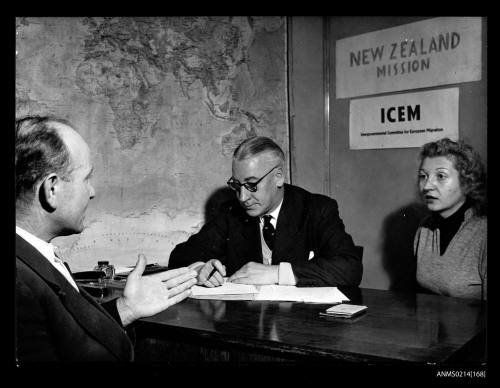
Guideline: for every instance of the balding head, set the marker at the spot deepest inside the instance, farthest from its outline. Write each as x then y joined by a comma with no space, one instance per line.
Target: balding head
41,149
53,170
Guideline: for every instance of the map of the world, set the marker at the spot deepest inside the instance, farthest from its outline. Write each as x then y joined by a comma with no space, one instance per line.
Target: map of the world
162,103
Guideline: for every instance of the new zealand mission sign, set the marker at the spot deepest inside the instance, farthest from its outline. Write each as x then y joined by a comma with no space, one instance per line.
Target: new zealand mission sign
428,53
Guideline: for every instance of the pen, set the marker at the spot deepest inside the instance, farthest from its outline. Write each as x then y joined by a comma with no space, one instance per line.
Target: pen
211,273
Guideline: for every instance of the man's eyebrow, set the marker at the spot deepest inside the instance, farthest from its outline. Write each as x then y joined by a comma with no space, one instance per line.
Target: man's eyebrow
250,177
244,180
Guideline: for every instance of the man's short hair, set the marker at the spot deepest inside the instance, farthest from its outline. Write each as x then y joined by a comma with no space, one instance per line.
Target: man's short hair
40,151
257,145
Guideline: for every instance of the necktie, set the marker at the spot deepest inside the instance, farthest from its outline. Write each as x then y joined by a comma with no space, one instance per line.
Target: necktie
67,271
268,231
58,260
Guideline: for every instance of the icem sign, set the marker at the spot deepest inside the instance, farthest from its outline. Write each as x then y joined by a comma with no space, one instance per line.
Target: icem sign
403,120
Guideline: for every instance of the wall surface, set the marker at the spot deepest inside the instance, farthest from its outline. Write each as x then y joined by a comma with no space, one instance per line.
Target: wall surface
376,188
309,164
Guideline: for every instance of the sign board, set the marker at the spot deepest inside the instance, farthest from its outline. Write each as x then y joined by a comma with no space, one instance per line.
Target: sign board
432,52
403,120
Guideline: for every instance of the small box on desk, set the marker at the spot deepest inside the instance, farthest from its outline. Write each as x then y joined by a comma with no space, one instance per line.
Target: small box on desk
344,311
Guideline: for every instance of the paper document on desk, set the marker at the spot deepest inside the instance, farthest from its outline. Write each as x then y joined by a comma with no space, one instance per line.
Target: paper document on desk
235,291
227,288
330,295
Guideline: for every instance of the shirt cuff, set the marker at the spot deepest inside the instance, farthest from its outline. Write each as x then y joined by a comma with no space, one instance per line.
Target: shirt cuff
285,275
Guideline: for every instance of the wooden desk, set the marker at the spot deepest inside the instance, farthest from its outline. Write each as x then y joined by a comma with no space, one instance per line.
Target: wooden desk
398,328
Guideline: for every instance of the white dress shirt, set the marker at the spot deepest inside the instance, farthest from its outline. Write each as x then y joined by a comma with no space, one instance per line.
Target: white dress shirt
47,251
285,273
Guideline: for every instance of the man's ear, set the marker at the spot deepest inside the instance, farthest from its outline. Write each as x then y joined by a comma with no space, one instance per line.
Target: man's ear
280,176
48,192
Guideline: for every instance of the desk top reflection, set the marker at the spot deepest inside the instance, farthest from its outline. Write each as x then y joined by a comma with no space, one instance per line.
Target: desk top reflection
397,327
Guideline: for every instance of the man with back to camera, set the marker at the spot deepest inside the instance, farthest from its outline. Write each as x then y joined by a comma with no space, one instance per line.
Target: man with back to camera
55,319
272,232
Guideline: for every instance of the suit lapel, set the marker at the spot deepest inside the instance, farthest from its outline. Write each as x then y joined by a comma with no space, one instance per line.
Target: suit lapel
99,324
289,221
251,240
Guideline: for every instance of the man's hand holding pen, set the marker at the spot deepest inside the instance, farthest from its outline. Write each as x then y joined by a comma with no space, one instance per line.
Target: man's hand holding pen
210,274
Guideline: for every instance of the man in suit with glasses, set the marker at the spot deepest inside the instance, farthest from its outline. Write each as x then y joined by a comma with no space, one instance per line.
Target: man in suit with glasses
272,232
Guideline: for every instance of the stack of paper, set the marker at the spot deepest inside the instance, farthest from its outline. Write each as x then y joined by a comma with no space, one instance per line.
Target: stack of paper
231,291
228,290
302,294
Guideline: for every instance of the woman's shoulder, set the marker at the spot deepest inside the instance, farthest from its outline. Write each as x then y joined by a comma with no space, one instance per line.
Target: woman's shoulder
473,218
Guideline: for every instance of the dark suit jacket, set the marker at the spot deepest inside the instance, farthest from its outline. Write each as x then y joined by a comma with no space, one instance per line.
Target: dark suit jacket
306,222
56,323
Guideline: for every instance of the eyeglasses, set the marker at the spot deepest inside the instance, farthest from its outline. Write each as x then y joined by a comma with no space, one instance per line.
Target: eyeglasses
250,186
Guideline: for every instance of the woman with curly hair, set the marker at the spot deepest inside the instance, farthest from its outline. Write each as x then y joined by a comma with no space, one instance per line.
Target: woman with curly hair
451,244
